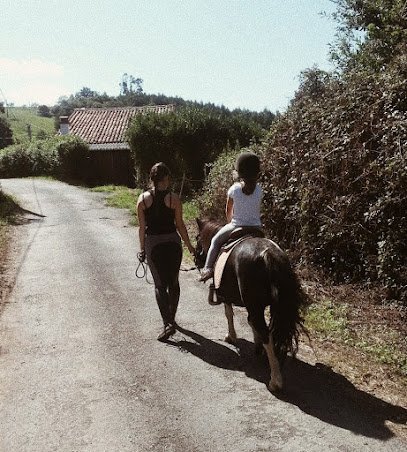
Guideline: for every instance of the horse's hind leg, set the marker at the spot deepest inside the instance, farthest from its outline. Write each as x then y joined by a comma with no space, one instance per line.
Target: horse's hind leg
231,337
276,379
261,334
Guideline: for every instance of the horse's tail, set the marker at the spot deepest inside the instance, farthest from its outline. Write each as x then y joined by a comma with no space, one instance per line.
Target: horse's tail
287,304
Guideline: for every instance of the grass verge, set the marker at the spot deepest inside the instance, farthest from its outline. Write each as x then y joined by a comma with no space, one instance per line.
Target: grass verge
8,209
121,197
8,215
362,323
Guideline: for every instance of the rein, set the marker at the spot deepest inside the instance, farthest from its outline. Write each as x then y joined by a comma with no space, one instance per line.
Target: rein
190,269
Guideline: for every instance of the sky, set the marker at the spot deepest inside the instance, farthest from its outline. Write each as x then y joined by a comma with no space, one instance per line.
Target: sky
238,53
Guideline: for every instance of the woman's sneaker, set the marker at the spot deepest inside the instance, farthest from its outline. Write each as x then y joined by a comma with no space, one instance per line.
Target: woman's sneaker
168,331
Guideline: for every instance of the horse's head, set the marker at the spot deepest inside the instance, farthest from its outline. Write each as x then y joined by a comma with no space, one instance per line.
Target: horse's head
201,248
206,230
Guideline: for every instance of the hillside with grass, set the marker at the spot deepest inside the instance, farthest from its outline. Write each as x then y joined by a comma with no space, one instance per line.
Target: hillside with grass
21,118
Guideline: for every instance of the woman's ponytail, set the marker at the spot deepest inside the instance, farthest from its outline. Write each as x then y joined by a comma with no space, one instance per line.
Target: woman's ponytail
249,186
158,172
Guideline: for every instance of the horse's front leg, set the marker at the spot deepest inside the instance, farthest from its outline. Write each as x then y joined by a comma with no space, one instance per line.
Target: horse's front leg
257,339
276,379
231,337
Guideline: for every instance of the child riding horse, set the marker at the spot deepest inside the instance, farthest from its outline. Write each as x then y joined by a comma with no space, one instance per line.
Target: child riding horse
257,275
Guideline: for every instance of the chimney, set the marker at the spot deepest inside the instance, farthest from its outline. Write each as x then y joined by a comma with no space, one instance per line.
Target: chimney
64,125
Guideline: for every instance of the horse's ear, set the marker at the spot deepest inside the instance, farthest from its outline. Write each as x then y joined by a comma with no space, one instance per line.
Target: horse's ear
199,223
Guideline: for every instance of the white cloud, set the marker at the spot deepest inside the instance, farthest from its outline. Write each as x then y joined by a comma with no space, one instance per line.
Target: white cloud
27,81
38,93
29,68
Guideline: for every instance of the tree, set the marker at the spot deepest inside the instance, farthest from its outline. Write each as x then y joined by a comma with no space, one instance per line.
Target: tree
6,134
44,110
130,84
86,92
371,33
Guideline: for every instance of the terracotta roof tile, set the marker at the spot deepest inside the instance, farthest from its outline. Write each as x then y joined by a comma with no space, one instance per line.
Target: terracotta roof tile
108,125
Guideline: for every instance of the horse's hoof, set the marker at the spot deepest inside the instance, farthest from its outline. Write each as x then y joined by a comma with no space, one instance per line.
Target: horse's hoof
230,340
275,386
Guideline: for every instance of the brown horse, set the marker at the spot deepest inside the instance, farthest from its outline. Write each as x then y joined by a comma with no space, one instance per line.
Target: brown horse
257,275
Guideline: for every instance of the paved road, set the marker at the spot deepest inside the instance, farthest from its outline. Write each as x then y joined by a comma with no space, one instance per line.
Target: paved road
81,369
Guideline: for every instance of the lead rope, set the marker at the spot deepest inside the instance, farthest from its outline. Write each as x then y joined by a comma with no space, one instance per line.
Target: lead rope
142,268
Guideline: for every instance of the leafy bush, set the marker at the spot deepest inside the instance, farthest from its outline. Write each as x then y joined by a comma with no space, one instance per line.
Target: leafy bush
213,200
15,161
336,172
8,211
334,164
44,110
59,157
73,156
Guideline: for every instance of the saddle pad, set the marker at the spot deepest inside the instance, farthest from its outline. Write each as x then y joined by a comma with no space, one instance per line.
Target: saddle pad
219,266
222,259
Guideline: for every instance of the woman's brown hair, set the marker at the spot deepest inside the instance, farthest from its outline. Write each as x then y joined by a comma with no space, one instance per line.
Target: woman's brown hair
158,172
249,186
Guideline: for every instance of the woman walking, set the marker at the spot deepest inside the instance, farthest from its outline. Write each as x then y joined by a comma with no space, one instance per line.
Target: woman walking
161,227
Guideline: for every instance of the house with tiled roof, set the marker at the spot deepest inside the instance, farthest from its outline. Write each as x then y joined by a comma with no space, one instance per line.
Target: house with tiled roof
104,129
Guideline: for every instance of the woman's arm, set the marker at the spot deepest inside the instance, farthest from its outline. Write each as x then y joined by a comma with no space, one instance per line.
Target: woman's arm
179,223
229,209
142,221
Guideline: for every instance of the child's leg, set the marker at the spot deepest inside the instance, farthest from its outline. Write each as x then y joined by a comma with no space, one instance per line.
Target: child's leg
217,241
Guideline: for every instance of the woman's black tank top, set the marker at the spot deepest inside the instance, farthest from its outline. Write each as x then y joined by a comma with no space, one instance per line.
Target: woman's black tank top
160,219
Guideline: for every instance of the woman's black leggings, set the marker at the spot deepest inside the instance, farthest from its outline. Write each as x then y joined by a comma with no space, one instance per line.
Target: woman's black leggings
166,260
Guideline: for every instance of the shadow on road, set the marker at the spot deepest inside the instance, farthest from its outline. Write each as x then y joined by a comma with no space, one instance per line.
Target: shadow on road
316,389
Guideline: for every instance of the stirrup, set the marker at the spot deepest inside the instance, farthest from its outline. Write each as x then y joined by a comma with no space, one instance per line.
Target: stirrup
213,299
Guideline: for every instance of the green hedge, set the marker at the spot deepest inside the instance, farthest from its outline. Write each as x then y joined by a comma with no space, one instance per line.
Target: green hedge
62,157
335,170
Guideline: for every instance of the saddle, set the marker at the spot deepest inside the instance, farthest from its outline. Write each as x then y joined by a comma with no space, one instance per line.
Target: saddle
238,235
